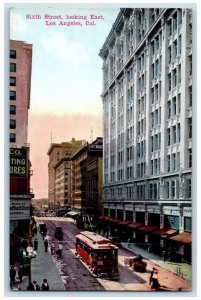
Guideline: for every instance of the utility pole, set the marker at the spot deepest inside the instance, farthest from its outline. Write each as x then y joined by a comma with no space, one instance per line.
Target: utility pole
91,135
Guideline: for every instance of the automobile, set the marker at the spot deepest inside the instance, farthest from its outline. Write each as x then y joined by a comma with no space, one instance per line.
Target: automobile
42,227
58,233
138,264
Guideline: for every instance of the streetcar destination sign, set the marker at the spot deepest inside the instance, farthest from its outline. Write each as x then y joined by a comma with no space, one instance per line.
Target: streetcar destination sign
18,162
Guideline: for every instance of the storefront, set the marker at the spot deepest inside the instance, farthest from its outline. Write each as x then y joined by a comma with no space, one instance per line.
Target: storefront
182,243
145,237
161,239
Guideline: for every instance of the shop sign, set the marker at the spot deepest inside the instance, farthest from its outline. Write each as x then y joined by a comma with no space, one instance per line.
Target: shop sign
18,162
19,209
96,148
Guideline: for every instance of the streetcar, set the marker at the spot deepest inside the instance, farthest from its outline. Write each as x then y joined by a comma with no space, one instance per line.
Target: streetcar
98,252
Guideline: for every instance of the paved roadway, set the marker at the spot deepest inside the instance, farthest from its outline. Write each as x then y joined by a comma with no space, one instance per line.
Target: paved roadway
77,277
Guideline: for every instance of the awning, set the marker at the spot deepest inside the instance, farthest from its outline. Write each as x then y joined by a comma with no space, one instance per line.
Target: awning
135,225
108,219
148,228
183,237
165,232
124,222
72,213
103,218
111,220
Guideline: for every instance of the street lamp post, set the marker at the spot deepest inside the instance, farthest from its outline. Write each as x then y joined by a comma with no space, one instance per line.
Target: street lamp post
28,255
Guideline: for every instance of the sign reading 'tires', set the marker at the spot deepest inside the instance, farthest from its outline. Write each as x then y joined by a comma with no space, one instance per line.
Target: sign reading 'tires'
18,162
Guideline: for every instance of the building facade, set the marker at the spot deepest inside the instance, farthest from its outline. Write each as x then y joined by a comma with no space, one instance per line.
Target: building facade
87,169
20,86
20,165
63,183
147,108
59,181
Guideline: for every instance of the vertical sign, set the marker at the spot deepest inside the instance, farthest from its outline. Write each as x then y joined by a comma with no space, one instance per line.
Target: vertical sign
18,162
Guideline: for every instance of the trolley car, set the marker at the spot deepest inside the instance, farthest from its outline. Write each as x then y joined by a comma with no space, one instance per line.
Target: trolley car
98,252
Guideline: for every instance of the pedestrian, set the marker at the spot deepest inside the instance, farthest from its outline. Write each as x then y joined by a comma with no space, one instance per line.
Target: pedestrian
169,254
36,286
20,273
45,285
46,245
35,244
30,287
164,254
35,230
12,275
52,250
153,280
59,251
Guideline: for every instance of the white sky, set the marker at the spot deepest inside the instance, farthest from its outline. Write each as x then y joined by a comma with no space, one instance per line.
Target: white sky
66,72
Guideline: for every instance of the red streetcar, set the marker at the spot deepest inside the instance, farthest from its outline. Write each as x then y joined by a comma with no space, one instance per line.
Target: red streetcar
98,252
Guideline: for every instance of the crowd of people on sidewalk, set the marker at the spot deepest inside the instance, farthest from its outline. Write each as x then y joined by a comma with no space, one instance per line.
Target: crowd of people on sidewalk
34,286
17,268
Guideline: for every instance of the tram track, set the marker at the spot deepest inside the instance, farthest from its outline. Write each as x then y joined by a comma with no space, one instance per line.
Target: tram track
76,274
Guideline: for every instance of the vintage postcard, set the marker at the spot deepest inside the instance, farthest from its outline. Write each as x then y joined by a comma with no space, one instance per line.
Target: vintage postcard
101,149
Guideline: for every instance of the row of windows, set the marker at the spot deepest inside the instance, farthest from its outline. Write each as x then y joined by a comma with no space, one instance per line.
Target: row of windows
171,190
173,105
174,50
173,134
173,162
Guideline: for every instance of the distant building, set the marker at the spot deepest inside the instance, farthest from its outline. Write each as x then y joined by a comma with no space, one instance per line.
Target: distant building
147,107
40,204
63,183
59,155
87,170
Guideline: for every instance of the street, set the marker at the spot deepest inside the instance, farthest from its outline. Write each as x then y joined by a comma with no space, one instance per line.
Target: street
77,276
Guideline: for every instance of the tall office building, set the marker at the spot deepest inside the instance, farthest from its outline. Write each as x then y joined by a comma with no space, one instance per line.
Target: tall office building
59,172
147,108
20,86
87,170
20,165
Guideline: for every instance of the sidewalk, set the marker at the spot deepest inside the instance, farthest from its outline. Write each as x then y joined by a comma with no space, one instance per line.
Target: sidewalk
43,267
182,269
